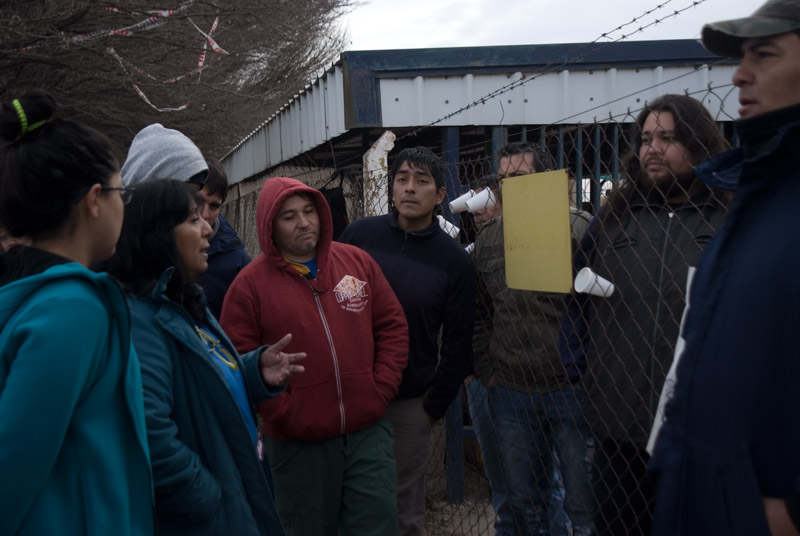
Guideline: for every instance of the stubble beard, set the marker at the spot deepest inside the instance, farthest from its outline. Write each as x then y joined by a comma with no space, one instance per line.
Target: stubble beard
306,247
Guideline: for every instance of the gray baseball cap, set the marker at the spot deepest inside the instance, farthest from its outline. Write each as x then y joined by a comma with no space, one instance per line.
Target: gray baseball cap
725,38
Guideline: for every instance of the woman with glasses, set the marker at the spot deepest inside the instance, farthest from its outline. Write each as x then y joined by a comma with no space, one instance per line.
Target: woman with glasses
198,391
73,447
125,193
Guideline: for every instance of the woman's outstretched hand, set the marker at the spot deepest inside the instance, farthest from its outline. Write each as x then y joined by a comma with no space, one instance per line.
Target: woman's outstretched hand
278,367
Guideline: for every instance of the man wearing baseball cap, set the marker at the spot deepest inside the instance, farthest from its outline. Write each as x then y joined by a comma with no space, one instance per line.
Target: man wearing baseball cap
727,460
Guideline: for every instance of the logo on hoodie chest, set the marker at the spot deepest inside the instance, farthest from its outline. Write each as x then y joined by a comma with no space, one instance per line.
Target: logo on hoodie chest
351,294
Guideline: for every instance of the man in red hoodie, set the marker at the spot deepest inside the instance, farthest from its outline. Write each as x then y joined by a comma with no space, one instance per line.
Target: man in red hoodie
328,445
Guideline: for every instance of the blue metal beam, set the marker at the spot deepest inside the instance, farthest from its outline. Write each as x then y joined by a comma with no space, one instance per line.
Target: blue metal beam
499,138
579,157
598,169
450,155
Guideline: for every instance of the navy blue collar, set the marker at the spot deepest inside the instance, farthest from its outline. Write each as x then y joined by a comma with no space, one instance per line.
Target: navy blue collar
428,231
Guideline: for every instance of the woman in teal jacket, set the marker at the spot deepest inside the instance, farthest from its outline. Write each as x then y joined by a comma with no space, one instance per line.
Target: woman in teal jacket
198,391
73,449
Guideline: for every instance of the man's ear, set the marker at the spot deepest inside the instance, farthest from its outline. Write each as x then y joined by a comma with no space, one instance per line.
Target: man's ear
440,195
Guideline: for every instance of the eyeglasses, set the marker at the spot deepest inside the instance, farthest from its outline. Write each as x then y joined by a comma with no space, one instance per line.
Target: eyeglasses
125,193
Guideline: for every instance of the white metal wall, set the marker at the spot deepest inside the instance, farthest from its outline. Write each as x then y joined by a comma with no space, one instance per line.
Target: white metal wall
316,115
565,97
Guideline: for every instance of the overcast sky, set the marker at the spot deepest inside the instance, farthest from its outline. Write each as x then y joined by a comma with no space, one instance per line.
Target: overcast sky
387,24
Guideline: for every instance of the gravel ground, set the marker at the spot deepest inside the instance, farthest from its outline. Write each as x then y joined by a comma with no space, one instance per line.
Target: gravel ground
473,517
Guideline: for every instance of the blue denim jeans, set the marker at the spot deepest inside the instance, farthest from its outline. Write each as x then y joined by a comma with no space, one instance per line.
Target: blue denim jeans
485,431
529,425
560,525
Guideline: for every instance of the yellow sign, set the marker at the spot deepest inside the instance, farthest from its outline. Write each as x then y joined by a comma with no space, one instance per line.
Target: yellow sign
536,232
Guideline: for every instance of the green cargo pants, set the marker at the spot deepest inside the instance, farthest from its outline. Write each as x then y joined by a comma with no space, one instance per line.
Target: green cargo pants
342,486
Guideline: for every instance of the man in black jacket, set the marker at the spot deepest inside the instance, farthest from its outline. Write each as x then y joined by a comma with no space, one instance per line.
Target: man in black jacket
432,277
644,239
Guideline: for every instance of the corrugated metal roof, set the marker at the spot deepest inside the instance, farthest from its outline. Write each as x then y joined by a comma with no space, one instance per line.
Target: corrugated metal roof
511,85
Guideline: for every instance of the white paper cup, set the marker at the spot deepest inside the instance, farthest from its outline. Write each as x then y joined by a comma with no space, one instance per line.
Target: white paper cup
459,204
483,199
588,282
448,227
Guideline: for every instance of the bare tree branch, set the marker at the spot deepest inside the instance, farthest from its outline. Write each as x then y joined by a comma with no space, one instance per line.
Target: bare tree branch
94,55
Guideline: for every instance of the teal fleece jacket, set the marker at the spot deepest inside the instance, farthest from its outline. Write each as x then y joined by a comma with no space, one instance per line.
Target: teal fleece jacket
73,449
208,478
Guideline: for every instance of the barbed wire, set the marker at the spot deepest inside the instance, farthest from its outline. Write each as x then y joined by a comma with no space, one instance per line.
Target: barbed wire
565,60
612,118
629,95
555,66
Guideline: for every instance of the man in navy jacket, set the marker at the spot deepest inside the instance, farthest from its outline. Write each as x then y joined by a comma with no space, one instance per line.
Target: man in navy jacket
226,255
433,279
726,460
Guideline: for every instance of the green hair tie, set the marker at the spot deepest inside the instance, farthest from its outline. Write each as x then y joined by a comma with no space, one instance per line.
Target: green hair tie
23,119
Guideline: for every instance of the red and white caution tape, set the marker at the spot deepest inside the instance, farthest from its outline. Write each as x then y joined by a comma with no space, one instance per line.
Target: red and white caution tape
156,108
181,77
156,19
213,44
209,41
126,64
156,12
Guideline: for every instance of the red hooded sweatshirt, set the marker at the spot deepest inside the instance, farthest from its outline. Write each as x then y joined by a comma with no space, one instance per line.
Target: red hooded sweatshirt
347,320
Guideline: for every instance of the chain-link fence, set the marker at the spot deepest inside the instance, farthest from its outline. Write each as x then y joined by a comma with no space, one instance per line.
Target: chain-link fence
551,432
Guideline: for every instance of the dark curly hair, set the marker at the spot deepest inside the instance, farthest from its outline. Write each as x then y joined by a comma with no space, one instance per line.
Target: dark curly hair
694,129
